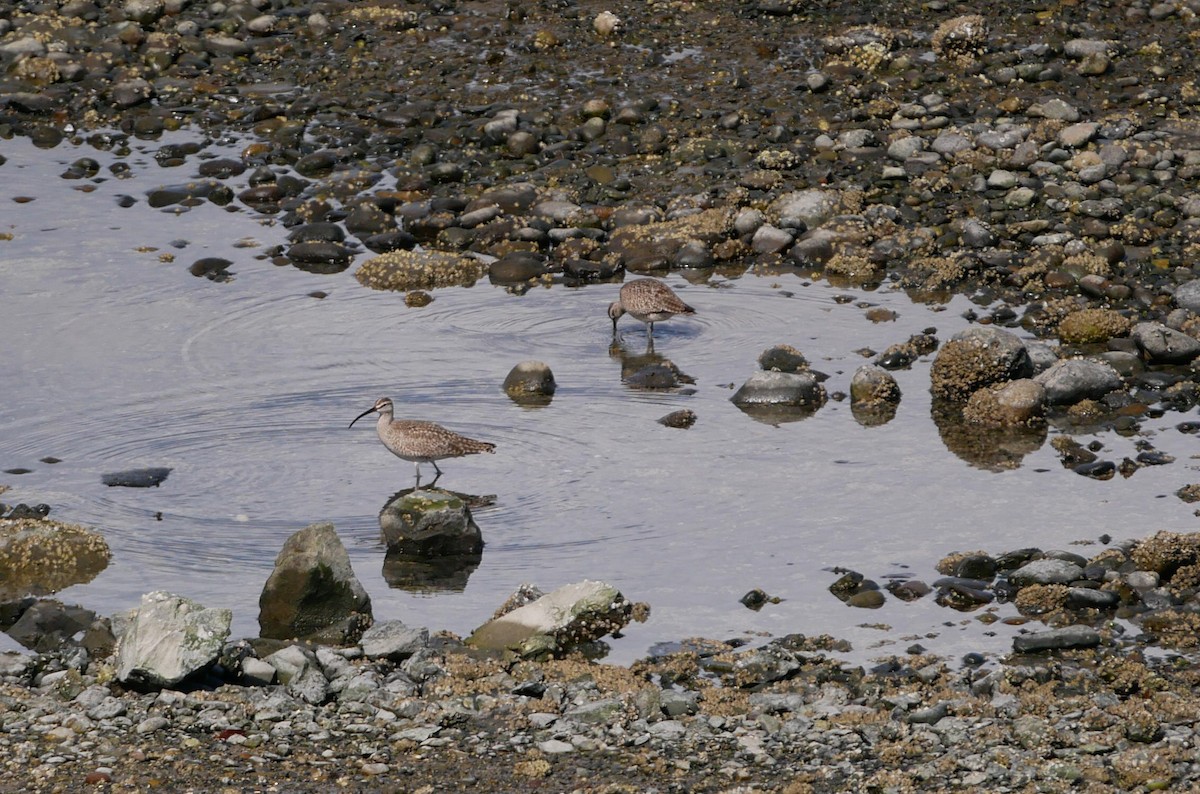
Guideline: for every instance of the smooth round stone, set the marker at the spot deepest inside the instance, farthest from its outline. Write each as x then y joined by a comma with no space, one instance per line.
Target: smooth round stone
530,380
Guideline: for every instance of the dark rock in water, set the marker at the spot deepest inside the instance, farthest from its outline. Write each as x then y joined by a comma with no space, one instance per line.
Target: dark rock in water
867,599
910,590
48,625
137,478
1057,639
23,510
782,358
429,523
653,376
321,231
583,270
530,382
213,268
313,593
955,594
320,257
517,266
976,566
780,389
756,599
1089,598
683,419
222,168
383,242
1100,470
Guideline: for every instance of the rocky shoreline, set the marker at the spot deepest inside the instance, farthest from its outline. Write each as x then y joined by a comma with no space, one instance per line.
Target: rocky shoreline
1043,161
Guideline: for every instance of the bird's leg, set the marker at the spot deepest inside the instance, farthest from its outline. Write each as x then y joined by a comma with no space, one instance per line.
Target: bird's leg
435,468
433,482
417,465
650,333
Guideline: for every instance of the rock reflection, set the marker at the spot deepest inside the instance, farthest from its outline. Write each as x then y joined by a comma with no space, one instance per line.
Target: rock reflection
647,370
418,575
989,448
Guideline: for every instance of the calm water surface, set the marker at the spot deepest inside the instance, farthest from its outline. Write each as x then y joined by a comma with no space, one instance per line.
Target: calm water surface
114,359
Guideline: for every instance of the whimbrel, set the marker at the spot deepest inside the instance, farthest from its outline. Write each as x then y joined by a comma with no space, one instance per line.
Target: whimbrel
420,442
649,301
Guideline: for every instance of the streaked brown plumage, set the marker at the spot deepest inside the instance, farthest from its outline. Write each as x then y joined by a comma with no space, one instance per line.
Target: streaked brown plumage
649,301
420,442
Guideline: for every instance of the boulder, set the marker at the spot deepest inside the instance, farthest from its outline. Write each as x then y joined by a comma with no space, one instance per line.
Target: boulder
558,621
530,382
1162,345
41,556
429,523
975,358
313,593
1075,379
873,386
169,639
794,389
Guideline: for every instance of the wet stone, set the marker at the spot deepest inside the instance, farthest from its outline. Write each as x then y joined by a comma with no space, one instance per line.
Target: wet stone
137,478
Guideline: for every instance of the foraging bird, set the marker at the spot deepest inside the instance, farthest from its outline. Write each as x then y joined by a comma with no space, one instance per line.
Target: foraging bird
420,442
649,301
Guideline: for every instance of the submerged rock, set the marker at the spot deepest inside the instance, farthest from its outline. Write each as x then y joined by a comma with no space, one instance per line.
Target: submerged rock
313,592
40,556
1075,379
530,382
169,639
402,270
780,389
151,477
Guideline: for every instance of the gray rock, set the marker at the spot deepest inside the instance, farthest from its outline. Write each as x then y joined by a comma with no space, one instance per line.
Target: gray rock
391,639
555,747
770,239
1164,345
804,209
799,389
872,385
313,593
1187,294
530,381
558,621
1057,639
289,662
1069,381
256,672
1045,572
170,639
15,665
429,523
600,712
